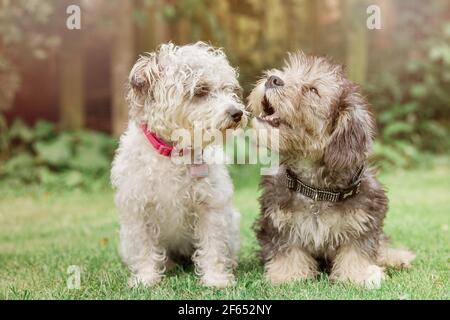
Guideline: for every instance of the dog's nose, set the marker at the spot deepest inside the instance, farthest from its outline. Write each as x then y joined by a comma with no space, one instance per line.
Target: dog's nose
235,113
274,82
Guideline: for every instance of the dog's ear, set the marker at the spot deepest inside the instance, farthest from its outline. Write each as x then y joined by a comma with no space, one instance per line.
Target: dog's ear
141,81
352,133
144,74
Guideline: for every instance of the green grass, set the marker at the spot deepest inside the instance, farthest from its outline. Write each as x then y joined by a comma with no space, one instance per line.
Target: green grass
42,234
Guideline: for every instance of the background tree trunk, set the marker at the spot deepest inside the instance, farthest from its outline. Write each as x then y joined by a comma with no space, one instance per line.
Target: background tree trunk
357,41
312,7
161,27
71,90
122,59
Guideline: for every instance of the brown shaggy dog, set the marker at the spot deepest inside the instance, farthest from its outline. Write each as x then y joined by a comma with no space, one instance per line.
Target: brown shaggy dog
324,207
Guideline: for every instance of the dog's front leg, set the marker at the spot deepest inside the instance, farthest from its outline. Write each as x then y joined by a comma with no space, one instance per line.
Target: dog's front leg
140,250
355,265
291,265
212,257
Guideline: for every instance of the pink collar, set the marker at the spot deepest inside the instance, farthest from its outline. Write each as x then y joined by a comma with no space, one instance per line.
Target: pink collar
159,144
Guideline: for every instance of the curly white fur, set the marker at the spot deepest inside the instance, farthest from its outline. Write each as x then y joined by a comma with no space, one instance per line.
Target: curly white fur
163,210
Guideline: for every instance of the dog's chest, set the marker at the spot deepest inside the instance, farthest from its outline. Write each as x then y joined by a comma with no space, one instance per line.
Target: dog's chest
175,197
321,226
183,197
176,190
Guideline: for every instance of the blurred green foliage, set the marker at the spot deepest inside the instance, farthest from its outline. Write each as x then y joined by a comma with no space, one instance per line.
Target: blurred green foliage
410,91
42,154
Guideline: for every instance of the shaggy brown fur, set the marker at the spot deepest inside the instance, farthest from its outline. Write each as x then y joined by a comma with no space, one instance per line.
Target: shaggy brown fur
326,134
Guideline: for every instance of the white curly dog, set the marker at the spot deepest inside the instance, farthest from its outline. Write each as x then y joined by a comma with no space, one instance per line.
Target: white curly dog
170,210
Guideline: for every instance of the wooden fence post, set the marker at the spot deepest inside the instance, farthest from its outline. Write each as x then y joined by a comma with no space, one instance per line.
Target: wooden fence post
71,90
122,59
357,46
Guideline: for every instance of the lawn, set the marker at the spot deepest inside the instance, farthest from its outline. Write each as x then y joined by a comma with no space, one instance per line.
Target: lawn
43,233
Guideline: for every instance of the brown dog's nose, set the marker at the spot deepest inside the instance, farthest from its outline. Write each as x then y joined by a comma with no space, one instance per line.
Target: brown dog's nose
274,82
235,113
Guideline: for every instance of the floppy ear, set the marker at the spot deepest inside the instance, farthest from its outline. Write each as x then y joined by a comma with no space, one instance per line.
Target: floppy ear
144,73
352,136
141,82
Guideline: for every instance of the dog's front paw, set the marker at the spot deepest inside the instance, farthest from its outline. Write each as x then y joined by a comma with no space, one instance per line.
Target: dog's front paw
295,265
369,277
280,278
374,277
148,279
218,280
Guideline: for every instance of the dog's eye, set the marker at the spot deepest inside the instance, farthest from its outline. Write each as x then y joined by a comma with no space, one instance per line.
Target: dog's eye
314,90
201,91
238,91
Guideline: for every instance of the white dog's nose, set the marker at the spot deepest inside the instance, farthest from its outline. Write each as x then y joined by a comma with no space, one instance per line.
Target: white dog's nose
235,113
